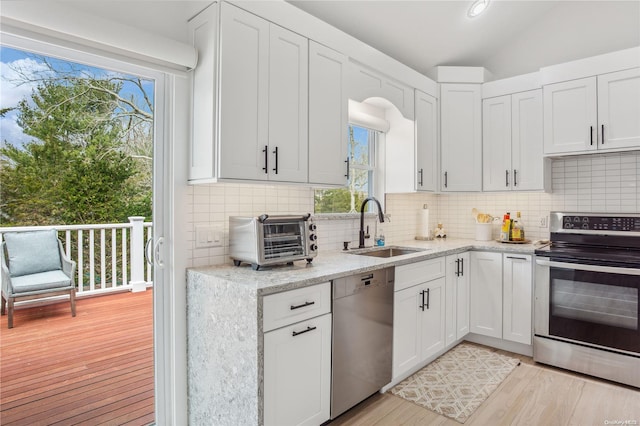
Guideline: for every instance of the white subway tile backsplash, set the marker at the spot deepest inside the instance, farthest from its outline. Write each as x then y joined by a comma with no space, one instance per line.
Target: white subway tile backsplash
590,183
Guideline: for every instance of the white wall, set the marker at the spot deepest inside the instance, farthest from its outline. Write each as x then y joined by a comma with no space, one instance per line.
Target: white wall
589,183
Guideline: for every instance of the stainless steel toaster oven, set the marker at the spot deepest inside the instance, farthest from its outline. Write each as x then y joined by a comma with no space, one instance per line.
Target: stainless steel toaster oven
272,239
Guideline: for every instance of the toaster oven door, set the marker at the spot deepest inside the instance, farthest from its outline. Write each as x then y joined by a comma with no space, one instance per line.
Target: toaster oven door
282,240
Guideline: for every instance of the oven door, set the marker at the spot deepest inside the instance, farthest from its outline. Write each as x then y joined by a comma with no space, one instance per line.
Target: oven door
588,304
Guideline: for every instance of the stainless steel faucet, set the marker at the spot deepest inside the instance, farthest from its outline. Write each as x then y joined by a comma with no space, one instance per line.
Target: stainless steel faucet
380,218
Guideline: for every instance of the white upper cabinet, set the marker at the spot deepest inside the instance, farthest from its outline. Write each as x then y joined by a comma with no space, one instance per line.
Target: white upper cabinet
461,137
619,109
529,167
593,113
257,76
263,99
365,83
328,114
426,130
203,31
496,143
288,105
512,142
570,116
244,95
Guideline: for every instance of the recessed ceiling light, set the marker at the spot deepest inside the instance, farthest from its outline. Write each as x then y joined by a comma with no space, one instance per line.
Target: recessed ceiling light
477,8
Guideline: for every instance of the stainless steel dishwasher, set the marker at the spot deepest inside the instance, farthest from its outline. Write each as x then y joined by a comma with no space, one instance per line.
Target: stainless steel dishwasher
362,337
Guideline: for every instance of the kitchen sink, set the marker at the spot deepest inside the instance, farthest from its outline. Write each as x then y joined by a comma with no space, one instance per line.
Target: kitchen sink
387,251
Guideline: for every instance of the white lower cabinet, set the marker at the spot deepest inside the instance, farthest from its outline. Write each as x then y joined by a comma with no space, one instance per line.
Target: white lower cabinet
517,287
501,296
457,298
486,294
297,373
418,316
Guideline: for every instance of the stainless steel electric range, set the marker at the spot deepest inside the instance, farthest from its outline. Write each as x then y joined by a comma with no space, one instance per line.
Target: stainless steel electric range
587,283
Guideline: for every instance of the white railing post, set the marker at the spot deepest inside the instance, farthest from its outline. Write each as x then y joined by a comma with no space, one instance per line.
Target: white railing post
137,254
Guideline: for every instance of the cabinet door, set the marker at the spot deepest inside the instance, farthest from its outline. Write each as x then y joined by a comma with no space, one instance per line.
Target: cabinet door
407,317
461,137
288,105
619,109
453,270
570,116
432,333
297,373
496,144
517,282
365,83
462,296
328,105
527,160
244,90
203,30
486,294
426,123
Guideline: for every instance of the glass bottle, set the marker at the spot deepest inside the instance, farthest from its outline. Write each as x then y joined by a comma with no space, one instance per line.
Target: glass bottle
517,231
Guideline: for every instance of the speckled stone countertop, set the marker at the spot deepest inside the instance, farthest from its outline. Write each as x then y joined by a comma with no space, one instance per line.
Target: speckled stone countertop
225,339
334,264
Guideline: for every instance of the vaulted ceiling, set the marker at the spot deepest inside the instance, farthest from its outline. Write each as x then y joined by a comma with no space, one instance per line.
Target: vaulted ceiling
512,36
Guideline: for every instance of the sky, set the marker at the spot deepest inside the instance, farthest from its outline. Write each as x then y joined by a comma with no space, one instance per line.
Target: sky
11,93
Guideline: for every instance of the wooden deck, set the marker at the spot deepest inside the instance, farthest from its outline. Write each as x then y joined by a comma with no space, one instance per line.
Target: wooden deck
96,368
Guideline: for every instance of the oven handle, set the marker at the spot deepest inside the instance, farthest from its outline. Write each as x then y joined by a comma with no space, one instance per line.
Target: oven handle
592,268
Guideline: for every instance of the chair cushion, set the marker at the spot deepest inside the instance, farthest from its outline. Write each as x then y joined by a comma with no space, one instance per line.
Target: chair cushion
32,252
49,280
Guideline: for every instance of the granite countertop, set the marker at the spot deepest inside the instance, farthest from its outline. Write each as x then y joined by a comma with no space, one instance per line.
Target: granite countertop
335,264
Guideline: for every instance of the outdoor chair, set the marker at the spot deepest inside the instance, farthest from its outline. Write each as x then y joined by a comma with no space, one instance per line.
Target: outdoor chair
34,266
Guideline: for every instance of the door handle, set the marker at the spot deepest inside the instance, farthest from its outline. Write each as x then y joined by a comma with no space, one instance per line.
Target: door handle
462,267
266,159
445,179
421,177
157,253
309,328
347,161
427,299
602,127
591,134
422,305
275,151
147,253
506,178
457,267
515,177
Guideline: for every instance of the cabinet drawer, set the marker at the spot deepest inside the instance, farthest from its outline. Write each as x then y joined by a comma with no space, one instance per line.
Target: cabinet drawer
419,272
292,306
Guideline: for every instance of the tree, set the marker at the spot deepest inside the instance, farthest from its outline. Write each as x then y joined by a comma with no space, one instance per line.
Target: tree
91,159
347,199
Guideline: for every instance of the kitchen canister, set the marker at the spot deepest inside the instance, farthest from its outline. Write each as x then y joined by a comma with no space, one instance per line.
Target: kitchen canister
483,231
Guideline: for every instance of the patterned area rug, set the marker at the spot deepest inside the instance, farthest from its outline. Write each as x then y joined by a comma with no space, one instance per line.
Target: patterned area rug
455,384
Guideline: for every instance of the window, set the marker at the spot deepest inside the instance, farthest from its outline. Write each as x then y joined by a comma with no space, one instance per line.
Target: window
362,143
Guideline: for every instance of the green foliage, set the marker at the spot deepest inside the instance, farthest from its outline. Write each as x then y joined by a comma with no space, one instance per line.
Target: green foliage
347,200
337,200
77,170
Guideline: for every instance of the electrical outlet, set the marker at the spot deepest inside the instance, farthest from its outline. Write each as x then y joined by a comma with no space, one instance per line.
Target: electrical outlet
543,222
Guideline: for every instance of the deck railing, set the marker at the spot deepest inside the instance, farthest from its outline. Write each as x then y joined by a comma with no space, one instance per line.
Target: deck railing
109,257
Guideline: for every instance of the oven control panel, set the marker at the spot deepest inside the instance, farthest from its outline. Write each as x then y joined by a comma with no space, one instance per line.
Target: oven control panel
601,223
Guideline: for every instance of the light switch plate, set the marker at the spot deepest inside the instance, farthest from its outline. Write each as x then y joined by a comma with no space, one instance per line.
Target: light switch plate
209,236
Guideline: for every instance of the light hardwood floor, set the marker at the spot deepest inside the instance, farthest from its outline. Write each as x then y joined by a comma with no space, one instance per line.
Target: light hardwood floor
533,394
